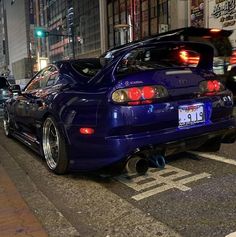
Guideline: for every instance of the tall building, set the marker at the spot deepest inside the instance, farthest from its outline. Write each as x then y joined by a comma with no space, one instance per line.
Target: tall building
19,23
4,61
74,28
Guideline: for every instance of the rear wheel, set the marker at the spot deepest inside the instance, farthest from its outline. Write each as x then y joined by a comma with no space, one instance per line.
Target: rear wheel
54,147
6,124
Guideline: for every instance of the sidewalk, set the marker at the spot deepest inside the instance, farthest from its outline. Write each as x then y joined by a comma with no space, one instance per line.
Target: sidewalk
16,219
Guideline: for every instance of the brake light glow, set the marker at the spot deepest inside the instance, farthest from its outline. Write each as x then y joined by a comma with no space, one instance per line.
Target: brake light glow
215,30
134,93
139,95
189,57
87,131
233,58
211,87
148,92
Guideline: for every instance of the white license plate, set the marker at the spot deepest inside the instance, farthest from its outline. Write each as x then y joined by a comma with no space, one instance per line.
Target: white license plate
191,114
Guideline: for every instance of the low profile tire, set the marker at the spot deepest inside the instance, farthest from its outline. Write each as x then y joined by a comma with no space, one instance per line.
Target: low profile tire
54,147
6,124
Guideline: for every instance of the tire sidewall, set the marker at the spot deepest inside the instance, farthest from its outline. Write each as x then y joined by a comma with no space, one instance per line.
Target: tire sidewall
63,160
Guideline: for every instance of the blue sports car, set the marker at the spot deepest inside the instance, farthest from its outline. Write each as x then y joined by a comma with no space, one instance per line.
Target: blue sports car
135,105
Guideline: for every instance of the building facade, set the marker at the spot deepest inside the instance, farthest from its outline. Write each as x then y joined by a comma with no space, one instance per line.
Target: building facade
19,37
129,20
73,26
4,60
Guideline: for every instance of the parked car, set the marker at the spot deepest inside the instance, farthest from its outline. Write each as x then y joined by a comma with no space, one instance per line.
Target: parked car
4,92
146,102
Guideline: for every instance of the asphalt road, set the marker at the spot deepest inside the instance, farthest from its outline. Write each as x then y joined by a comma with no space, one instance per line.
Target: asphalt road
195,195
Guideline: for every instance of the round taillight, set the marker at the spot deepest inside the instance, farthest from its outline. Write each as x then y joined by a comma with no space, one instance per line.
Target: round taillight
210,86
134,93
119,96
148,92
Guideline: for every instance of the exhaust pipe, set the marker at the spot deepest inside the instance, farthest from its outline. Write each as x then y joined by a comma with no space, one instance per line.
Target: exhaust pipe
157,161
137,164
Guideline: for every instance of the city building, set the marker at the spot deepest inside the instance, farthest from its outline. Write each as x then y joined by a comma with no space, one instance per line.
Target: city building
4,60
73,28
19,22
129,20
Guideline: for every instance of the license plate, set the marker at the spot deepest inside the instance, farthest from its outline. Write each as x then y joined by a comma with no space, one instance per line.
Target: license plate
191,114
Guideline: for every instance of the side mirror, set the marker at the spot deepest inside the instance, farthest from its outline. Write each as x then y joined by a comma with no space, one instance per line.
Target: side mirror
15,89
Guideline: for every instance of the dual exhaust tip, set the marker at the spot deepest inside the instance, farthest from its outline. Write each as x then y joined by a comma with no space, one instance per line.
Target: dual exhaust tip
138,164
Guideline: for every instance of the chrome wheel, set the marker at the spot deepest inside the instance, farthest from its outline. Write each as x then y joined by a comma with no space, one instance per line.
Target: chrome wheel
51,145
6,123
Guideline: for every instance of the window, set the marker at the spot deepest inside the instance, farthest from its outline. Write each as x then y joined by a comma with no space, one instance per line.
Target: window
52,79
161,57
40,80
86,68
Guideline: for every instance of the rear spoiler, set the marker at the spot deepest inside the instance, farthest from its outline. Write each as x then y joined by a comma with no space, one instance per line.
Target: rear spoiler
217,38
205,50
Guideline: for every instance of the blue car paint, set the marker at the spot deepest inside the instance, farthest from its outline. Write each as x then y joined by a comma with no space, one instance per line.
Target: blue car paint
120,130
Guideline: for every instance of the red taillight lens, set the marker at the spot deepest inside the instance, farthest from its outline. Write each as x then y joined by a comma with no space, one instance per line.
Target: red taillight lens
211,87
134,93
148,92
139,95
233,58
189,57
87,131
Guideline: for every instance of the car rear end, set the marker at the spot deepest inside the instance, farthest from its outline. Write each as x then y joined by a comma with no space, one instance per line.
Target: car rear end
167,98
163,98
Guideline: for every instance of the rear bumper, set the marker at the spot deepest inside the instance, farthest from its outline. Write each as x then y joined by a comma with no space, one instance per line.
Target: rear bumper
92,153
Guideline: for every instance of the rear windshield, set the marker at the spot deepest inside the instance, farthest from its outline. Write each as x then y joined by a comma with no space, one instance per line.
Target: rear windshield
86,67
151,58
3,83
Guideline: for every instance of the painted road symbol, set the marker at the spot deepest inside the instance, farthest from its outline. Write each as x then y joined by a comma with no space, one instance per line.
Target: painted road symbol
157,181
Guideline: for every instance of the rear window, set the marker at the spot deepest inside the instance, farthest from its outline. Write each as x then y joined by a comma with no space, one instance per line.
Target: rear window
86,68
3,83
151,58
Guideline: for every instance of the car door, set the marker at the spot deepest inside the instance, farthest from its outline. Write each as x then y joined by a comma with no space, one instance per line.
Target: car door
26,104
39,106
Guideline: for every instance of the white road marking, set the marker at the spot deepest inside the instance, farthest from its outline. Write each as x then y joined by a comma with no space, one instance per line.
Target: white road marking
231,235
157,181
214,157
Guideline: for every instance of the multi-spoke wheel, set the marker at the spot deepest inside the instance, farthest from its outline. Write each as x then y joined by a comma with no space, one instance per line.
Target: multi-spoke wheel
54,147
6,124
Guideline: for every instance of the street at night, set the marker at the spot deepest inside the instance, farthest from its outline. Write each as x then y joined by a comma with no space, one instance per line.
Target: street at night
117,118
